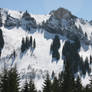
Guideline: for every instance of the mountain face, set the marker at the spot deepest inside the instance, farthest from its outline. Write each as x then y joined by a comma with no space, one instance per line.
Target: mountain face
64,23
36,62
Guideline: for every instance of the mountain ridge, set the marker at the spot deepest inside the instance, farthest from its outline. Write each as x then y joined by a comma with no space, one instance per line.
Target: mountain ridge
36,63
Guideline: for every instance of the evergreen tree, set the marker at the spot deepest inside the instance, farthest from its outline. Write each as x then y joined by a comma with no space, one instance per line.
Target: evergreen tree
90,85
78,85
53,75
27,43
60,80
23,47
55,47
51,48
56,42
26,89
55,85
1,41
31,41
68,78
34,44
13,80
77,44
66,49
32,86
47,84
83,68
70,51
86,35
87,66
14,53
4,87
86,89
90,59
56,55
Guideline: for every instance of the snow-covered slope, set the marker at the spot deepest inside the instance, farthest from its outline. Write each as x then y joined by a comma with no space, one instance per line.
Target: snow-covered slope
36,63
40,18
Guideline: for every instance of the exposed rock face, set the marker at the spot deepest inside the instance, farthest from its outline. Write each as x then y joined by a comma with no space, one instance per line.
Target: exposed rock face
63,22
26,16
27,21
11,22
62,13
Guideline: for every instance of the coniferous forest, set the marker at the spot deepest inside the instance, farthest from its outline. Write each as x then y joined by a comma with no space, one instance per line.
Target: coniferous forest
65,82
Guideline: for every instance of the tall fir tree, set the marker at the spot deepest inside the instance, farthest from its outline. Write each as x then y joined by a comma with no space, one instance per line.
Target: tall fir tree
32,86
90,59
78,85
68,78
13,80
31,41
4,84
55,85
53,75
25,89
55,47
23,45
87,89
27,43
56,43
47,84
1,41
90,85
34,44
60,80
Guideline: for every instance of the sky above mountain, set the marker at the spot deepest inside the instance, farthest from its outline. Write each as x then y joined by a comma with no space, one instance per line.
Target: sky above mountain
80,8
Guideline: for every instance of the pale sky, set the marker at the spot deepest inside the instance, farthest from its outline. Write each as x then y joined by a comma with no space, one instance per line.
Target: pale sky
80,8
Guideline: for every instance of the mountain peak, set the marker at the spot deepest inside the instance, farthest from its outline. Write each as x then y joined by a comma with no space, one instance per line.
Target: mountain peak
61,13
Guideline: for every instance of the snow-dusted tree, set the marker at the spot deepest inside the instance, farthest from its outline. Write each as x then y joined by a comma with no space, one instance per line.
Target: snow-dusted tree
47,84
13,80
1,41
78,85
55,47
23,47
55,85
32,86
90,85
25,89
31,41
4,83
68,78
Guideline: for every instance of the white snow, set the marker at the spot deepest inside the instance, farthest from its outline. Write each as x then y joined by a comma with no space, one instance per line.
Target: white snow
15,14
87,28
85,51
38,61
13,41
85,80
40,18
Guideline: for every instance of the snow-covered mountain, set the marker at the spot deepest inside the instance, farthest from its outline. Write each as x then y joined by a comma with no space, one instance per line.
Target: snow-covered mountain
43,28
